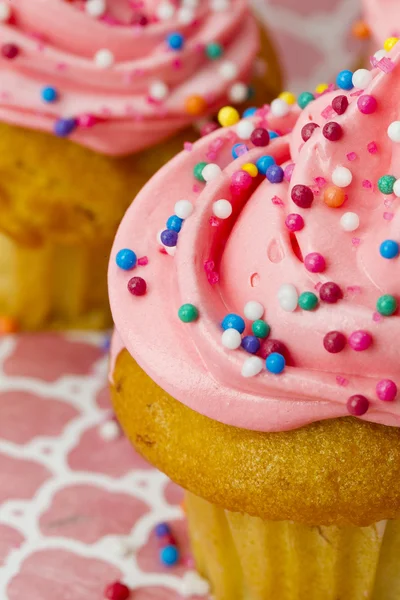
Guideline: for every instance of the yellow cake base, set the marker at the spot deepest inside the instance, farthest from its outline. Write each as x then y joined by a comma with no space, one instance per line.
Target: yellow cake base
245,558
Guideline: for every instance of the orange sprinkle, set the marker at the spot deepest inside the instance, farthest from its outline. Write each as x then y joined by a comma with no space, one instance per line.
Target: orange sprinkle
195,105
334,196
361,31
8,325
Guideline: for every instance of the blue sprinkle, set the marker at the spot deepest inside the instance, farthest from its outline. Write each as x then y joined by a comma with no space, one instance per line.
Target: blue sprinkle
274,174
126,259
169,556
63,127
273,135
162,529
49,94
175,41
233,321
251,344
344,80
389,249
264,162
275,363
174,223
249,112
169,238
239,150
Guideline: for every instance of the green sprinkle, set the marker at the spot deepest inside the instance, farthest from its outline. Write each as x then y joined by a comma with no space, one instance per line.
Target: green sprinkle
198,171
386,305
308,301
214,51
188,313
386,183
260,329
305,98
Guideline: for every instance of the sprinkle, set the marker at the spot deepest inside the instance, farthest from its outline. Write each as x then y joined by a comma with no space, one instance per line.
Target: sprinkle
377,318
213,278
279,108
334,342
393,131
351,156
390,43
117,591
308,301
357,405
355,241
389,249
361,78
275,363
211,171
342,381
104,58
86,121
175,41
288,172
330,292
332,131
49,94
367,104
386,305
288,297
228,70
261,329
137,286
386,184
188,313
308,130
233,321
198,171
95,8
209,266
64,127
276,201
294,222
228,116
239,150
327,113
252,366
314,262
239,92
231,339
264,162
251,344
367,184
241,181
340,104
304,99
342,177
165,11
195,105
126,259
222,209
143,261
302,196
214,51
386,65
344,80
169,556
388,216
251,169
9,51
244,129
320,181
169,238
386,390
188,146
372,148
350,221
274,174
5,11
158,90
174,223
253,310
360,340
208,128
260,137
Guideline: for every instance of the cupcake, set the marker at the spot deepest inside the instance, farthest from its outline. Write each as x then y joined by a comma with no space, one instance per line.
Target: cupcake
256,359
95,96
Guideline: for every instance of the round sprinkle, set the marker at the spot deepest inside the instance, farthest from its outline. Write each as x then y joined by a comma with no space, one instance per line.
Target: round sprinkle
214,51
264,162
308,130
251,344
302,196
380,54
275,363
386,305
362,78
169,556
321,88
241,180
228,116
389,249
334,342
394,131
183,209
251,169
195,105
228,70
239,92
334,196
350,221
357,405
211,172
158,90
169,238
222,209
188,313
174,223
308,301
95,8
165,11
233,321
231,339
239,150
175,41
360,340
162,529
198,171
340,104
249,112
126,259
261,329
294,222
386,184
9,51
386,390
244,129
260,137
104,58
396,188
273,135
49,94
332,131
344,80
252,366
274,174
117,591
330,292
367,104
137,286
288,297
288,97
314,262
390,43
342,177
304,99
64,127
253,310
279,108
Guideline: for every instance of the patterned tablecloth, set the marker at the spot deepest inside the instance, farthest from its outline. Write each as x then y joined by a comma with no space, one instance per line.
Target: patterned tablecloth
77,510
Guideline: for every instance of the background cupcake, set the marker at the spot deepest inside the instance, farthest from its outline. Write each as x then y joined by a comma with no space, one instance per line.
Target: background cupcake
271,334
89,91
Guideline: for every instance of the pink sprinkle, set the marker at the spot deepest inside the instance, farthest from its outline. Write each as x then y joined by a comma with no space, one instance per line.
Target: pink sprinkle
357,93
196,188
377,318
320,181
318,285
211,155
386,65
372,148
388,216
177,64
209,266
188,146
86,121
355,241
351,156
214,222
354,289
388,202
143,261
277,201
342,381
288,172
374,62
213,277
328,112
367,184
216,144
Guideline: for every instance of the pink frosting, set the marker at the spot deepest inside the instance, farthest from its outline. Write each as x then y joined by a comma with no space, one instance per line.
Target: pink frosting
383,18
254,255
57,42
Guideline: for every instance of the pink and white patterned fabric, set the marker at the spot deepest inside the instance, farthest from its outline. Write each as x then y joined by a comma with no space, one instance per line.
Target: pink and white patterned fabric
313,38
77,510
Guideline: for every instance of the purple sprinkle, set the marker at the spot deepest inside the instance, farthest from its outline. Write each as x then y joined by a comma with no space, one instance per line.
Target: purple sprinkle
372,148
277,201
142,262
386,65
388,216
351,156
342,381
367,184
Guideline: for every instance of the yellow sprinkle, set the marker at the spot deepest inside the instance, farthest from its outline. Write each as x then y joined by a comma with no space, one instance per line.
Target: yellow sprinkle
288,97
390,43
228,116
321,88
251,169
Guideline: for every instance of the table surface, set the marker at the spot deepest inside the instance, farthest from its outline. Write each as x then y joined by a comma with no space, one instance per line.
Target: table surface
77,511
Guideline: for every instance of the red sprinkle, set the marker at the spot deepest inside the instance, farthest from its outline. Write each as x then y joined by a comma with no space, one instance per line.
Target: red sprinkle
117,591
9,51
357,405
137,286
340,104
332,131
308,130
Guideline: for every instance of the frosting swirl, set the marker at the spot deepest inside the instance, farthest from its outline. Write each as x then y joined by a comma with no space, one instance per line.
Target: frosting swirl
116,86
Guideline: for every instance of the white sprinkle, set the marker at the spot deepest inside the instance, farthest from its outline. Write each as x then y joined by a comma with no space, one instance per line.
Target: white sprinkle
244,129
394,131
109,431
228,70
194,585
95,8
183,209
396,188
342,177
222,209
350,221
104,59
171,250
288,297
186,15
5,11
158,90
362,78
279,108
239,92
380,54
165,11
231,339
253,310
211,171
252,366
